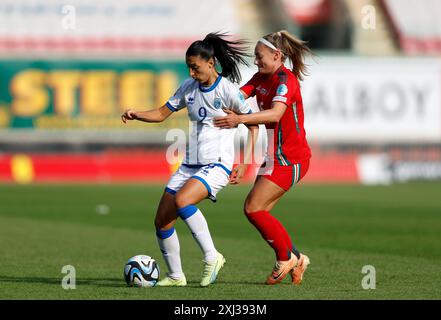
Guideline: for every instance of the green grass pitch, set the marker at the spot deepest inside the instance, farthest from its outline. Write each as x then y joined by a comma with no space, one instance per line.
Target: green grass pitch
396,229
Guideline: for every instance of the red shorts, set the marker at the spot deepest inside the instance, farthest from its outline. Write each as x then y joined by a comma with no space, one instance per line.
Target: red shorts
285,176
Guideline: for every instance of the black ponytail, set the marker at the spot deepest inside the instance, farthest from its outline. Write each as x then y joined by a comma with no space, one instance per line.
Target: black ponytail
227,53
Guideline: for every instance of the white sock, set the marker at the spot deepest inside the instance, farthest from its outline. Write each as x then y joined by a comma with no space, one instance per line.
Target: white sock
199,228
169,245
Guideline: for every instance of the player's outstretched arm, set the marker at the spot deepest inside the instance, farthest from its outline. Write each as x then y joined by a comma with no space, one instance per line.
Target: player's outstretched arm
155,115
232,119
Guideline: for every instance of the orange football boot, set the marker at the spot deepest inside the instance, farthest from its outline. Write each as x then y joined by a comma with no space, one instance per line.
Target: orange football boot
298,271
281,270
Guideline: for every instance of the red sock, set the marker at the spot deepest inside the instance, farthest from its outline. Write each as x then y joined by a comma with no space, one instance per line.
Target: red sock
284,232
269,228
288,239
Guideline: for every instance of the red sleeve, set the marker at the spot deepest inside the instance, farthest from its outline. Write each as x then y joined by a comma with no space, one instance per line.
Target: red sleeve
286,90
250,87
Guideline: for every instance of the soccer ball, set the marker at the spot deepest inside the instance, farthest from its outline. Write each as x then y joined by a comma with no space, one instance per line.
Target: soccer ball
141,271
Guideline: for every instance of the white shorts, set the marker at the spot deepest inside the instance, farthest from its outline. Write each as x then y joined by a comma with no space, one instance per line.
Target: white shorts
214,176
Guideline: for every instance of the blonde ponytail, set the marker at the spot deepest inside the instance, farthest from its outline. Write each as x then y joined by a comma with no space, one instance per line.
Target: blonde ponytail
292,48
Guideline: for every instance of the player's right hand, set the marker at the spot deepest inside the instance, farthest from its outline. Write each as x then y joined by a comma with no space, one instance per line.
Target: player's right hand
237,173
230,121
129,114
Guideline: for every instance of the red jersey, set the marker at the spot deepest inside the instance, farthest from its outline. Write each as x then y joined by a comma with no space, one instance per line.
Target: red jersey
290,144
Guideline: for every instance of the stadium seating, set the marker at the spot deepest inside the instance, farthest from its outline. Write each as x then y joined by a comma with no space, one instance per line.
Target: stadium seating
156,28
250,17
309,12
378,41
417,24
331,22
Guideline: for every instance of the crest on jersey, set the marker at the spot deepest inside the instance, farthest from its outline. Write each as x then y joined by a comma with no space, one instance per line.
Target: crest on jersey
262,90
282,90
217,103
190,100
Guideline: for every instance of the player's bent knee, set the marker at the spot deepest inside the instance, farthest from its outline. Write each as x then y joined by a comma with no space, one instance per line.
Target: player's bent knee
164,225
159,224
250,207
164,221
182,201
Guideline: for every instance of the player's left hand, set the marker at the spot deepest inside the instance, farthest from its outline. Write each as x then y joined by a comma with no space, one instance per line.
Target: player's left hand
237,173
231,120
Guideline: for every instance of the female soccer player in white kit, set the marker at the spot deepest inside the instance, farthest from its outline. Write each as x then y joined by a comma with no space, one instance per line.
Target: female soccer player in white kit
207,166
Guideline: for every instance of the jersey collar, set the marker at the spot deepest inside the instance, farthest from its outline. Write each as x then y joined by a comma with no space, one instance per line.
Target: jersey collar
276,73
273,76
212,87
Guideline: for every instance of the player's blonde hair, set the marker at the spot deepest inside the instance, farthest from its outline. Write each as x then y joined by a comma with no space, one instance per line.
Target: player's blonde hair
292,48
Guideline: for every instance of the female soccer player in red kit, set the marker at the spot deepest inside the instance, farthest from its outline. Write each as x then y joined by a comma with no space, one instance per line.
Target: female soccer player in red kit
277,91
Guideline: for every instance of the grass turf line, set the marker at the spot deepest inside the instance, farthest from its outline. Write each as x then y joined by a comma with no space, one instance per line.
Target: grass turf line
342,228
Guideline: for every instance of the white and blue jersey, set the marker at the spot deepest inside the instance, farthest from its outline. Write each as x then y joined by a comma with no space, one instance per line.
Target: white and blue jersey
209,144
210,150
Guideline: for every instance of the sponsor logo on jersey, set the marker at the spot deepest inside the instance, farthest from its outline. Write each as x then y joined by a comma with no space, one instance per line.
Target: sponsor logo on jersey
282,90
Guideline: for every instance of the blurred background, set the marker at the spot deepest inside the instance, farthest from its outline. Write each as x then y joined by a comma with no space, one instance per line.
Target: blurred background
68,69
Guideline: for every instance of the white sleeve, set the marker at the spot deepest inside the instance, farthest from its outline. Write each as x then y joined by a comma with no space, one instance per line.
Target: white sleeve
177,101
237,102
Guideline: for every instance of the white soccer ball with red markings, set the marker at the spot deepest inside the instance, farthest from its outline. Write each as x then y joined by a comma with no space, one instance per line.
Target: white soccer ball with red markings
141,271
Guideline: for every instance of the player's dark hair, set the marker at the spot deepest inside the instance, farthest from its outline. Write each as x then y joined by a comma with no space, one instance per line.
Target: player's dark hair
292,48
228,53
